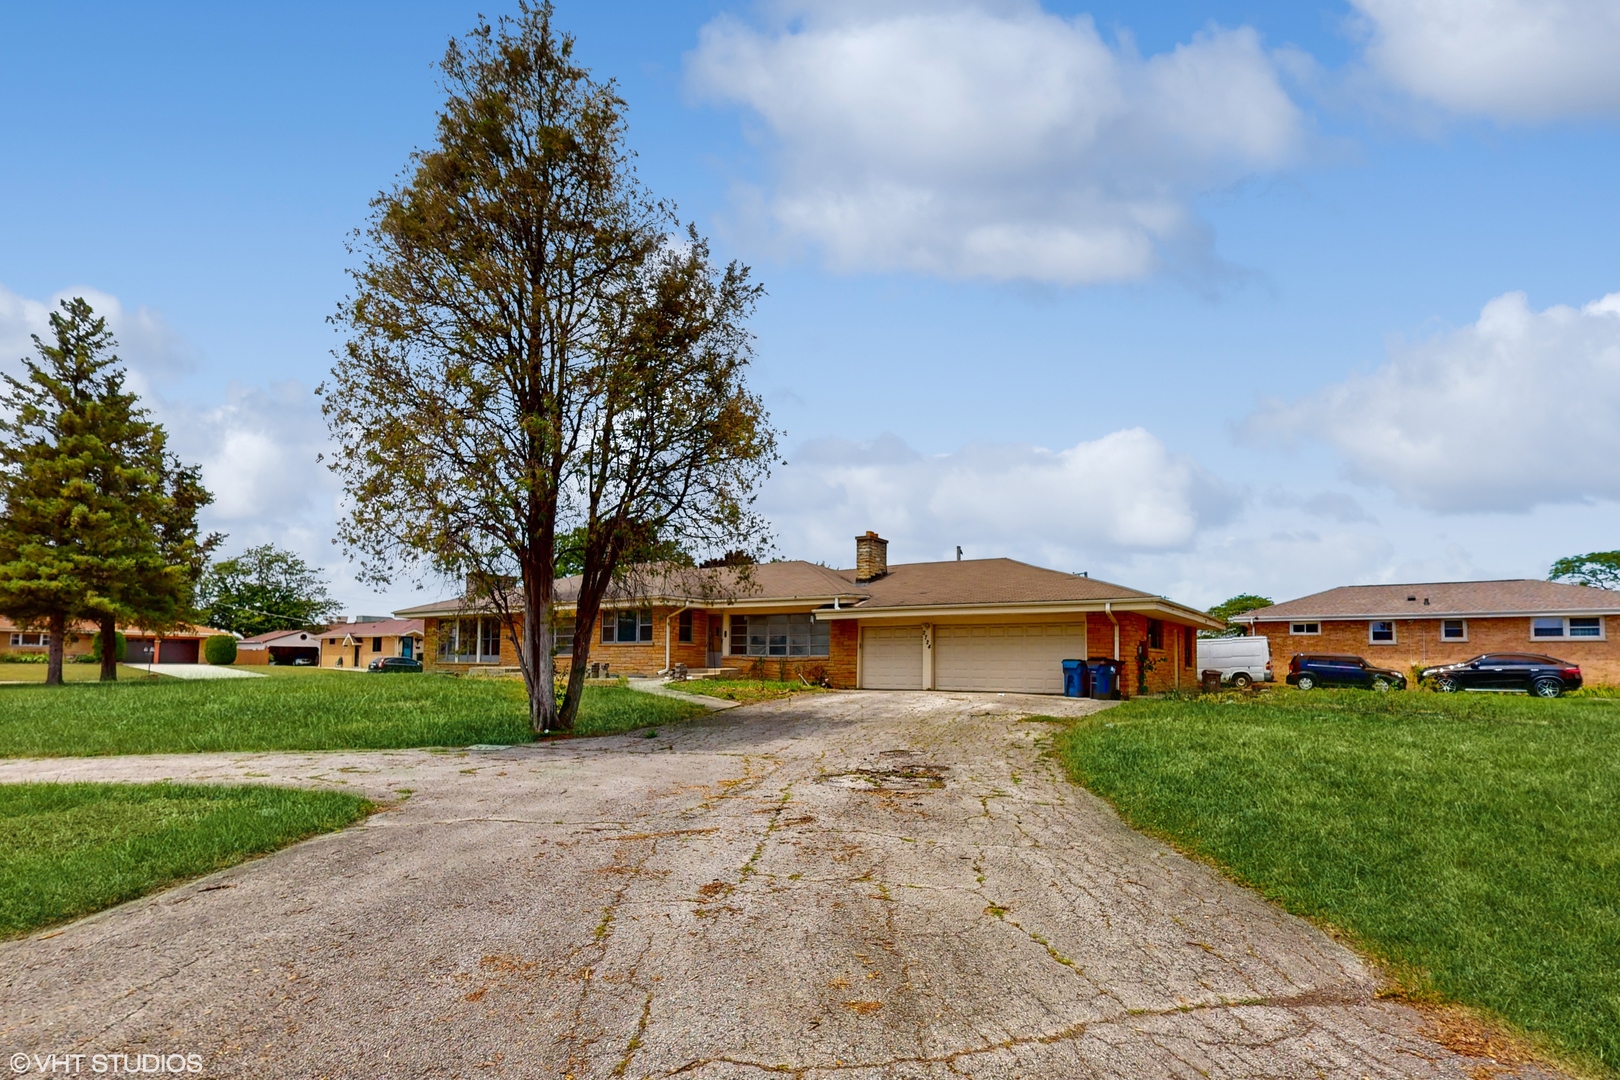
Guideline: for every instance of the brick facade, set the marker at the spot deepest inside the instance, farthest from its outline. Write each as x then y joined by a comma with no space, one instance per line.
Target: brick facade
1418,642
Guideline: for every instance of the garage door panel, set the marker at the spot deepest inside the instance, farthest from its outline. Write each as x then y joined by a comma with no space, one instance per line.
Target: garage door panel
1011,657
892,657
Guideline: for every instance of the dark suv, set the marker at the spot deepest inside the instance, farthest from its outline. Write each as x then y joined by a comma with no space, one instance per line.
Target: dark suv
395,663
1310,670
1539,675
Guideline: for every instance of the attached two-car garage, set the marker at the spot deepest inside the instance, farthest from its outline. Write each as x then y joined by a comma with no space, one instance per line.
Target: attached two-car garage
1007,657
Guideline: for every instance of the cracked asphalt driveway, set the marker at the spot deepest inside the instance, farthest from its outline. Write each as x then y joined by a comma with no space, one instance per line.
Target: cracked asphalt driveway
855,884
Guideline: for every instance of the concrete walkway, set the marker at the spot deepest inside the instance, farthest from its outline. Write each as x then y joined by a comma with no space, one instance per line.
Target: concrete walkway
198,671
849,885
658,687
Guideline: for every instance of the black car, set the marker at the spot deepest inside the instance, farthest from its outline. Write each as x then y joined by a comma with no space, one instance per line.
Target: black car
1310,670
395,663
1542,676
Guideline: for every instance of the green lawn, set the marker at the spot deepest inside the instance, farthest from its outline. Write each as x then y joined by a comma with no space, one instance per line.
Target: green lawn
1471,842
317,711
35,673
67,850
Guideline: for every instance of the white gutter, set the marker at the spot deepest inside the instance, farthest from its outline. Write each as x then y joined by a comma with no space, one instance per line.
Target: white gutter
1249,618
1108,609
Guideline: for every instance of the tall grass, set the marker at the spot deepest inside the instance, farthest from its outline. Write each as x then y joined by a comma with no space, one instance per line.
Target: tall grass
320,712
70,849
1472,842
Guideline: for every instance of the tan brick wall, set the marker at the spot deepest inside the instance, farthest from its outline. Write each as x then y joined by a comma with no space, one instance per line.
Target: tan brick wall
1417,641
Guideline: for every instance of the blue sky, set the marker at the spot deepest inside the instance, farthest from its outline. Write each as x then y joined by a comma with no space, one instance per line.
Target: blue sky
1204,298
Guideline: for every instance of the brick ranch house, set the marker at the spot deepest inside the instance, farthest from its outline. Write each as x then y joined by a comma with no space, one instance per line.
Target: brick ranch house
978,624
1397,626
357,644
180,645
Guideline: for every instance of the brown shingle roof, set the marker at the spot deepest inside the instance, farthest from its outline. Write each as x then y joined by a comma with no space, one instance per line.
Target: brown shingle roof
380,628
985,581
1521,596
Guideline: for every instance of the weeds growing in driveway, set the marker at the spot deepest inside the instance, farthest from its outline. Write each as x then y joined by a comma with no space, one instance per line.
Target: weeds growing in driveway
67,850
329,711
1470,841
746,691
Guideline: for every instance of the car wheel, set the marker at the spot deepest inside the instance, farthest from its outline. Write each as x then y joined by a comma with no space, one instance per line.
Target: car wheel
1381,684
1547,688
1305,682
1242,681
1446,684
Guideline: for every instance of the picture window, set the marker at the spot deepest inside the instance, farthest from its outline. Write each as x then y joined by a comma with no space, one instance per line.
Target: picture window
626,627
779,635
1589,628
30,641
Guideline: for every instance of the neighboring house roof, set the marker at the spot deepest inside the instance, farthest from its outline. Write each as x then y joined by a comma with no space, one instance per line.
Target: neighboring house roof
86,627
303,637
907,588
1444,599
378,628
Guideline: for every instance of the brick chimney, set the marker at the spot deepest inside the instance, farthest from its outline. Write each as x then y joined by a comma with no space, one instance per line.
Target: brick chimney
871,557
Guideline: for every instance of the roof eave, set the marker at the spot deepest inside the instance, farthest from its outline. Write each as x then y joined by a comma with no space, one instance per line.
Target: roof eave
1251,618
1159,605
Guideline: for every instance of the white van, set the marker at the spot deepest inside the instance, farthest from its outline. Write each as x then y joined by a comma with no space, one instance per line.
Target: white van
1240,660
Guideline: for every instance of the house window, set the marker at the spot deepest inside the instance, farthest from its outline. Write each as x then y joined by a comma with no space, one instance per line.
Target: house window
779,635
1155,634
1453,630
469,641
1189,647
30,641
376,644
1381,633
685,630
1306,628
562,638
626,627
1552,627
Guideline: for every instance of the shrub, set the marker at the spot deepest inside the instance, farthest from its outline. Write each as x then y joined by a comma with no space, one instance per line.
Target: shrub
220,649
120,647
27,658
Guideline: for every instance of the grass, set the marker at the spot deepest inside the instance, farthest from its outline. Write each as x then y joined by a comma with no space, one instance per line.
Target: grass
1472,843
67,850
746,691
323,711
35,673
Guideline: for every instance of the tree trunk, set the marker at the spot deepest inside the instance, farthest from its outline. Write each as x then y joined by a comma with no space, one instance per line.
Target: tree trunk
109,649
58,631
585,614
539,665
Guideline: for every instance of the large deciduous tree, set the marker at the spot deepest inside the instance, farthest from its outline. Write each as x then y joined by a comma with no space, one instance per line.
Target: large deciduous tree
1241,604
264,588
536,352
1599,569
100,520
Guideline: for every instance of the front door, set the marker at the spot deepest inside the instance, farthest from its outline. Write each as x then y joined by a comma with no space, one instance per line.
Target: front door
357,655
717,643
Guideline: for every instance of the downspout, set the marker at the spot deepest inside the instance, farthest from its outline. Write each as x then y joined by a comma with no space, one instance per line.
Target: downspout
671,617
1108,609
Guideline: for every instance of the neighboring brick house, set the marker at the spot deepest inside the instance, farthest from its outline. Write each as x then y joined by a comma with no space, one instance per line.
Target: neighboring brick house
181,645
1398,626
356,644
980,624
281,647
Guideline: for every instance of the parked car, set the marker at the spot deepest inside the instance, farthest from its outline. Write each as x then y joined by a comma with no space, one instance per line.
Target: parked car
395,663
303,661
1542,676
1310,670
1240,660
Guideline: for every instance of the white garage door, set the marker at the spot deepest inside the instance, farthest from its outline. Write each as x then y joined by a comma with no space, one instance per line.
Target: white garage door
1011,657
892,657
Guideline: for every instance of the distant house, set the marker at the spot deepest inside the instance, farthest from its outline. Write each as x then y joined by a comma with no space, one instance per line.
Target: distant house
1398,626
280,647
357,644
180,645
978,624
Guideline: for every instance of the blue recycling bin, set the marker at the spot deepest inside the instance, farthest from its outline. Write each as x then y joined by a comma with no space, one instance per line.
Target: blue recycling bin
1104,679
1076,678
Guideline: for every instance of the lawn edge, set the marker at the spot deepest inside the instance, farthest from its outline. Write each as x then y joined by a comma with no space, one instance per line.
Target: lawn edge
1395,982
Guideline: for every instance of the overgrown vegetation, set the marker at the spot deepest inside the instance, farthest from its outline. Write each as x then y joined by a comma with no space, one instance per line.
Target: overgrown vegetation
1472,842
746,691
67,850
321,711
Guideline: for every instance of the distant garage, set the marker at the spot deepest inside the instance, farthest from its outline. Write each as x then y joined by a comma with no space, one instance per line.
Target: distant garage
1006,657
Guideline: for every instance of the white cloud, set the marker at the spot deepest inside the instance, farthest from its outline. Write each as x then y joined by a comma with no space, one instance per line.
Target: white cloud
994,140
1122,493
1514,60
152,350
1518,409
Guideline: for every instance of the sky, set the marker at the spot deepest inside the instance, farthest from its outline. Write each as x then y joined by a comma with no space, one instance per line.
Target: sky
1203,298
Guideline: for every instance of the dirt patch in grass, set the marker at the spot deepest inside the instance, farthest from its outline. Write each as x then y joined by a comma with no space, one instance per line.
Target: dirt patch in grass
746,691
